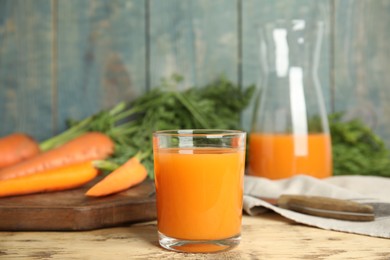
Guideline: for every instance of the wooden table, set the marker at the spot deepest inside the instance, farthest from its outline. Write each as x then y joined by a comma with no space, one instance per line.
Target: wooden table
268,236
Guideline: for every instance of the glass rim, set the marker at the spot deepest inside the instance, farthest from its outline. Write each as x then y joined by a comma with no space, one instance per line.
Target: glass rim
199,132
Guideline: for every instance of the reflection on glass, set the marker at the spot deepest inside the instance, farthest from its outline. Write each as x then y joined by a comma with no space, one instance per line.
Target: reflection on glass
290,132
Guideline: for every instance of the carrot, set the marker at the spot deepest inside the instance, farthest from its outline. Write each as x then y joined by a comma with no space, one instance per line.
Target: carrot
127,175
87,147
62,178
16,147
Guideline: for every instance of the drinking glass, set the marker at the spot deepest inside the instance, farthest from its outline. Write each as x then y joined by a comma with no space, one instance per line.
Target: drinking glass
199,188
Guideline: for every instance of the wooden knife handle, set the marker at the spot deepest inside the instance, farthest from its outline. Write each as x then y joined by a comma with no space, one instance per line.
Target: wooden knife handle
327,207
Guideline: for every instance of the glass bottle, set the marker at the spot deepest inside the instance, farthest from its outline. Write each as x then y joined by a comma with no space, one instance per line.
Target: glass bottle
290,132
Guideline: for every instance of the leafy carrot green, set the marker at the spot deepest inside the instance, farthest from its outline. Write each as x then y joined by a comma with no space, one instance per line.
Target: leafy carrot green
130,125
357,149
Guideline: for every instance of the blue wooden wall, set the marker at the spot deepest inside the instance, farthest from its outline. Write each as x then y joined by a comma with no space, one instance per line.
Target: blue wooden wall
64,59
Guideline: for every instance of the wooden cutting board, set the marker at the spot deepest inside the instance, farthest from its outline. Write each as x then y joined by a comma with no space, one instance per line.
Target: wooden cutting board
72,210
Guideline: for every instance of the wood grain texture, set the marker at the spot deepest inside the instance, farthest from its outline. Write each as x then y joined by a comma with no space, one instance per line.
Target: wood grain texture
362,61
70,59
26,67
196,39
268,236
255,14
101,55
42,212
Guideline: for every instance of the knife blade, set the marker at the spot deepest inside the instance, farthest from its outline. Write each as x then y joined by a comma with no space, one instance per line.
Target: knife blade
324,207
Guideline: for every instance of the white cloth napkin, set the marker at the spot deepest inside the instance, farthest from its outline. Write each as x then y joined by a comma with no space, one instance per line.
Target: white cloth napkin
370,190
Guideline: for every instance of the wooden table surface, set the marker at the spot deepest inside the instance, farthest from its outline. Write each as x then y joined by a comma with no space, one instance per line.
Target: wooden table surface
268,236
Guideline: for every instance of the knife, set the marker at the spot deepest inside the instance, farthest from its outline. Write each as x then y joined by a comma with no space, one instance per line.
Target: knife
324,207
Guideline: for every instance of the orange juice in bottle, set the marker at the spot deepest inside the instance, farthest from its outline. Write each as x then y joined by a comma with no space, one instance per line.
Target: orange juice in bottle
290,133
278,156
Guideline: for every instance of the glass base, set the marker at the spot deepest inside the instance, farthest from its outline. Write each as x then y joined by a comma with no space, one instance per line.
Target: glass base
198,246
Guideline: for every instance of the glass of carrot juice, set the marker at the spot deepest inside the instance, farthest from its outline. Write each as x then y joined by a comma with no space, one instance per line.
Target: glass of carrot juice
199,188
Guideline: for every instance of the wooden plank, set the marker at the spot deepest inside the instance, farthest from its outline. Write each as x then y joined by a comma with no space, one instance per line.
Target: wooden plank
196,39
101,55
255,13
76,211
25,67
362,59
268,236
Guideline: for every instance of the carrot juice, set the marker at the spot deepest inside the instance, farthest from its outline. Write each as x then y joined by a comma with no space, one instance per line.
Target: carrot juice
199,192
277,156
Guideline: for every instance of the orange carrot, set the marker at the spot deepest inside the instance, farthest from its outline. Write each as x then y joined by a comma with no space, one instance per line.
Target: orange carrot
87,147
16,147
127,175
62,178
